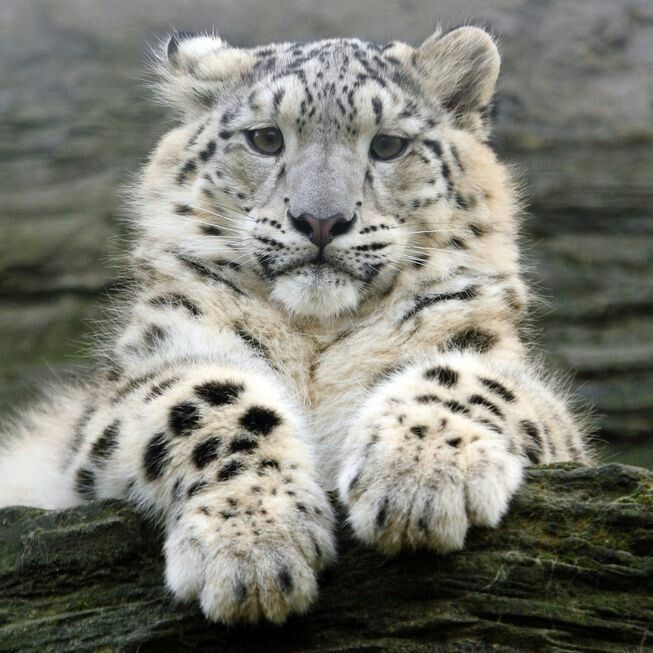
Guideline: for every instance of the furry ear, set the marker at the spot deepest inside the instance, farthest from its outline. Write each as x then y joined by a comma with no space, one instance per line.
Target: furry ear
198,70
461,68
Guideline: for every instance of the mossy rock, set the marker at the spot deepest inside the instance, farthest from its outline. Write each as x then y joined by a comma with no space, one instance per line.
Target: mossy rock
570,569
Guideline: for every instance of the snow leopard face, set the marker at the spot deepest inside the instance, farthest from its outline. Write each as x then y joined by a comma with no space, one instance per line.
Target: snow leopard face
324,168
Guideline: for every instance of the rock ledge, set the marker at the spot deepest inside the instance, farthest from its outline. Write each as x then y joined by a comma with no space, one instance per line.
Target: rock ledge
570,569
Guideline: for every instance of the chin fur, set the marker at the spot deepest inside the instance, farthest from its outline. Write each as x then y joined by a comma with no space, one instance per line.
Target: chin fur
317,292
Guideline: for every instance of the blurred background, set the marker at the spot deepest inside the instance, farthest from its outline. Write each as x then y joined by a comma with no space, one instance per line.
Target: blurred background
575,115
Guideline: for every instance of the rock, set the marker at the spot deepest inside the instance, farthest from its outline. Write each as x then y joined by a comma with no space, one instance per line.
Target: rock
569,569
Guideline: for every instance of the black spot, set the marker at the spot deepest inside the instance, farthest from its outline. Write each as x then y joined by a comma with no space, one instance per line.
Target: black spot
242,445
206,452
196,487
427,399
80,427
176,300
252,342
277,98
114,371
153,336
456,158
373,247
210,230
533,446
456,407
155,457
175,493
158,389
474,339
419,431
132,385
227,117
461,202
269,463
206,154
354,481
188,168
479,400
454,442
429,300
219,393
434,146
85,483
285,580
260,420
491,425
477,230
230,470
208,273
183,209
457,243
184,418
420,260
106,444
382,513
498,389
513,300
443,375
377,106
551,443
225,135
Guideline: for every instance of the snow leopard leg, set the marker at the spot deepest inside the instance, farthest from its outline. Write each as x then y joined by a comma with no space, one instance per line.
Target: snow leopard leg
219,455
442,445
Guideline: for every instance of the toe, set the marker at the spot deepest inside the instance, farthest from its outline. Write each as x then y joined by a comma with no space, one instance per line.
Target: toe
185,564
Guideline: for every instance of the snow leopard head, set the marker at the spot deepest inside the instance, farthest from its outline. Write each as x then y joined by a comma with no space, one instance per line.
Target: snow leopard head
325,168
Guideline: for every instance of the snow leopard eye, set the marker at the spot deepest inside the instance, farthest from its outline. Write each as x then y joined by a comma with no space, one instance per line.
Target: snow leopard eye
385,147
267,140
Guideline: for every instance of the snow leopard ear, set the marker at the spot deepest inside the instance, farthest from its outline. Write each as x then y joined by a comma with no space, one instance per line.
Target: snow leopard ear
461,68
198,70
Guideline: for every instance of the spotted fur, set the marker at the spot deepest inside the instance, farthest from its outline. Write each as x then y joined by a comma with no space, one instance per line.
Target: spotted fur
389,350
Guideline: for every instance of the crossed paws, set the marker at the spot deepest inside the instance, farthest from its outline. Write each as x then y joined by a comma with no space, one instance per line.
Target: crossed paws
417,474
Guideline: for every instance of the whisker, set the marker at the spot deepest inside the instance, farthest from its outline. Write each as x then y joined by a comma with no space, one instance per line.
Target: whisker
427,249
221,216
427,231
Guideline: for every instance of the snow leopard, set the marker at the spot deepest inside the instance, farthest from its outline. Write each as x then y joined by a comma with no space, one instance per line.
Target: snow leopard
325,304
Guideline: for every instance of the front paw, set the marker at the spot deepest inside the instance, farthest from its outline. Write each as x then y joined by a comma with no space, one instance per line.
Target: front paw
419,474
252,556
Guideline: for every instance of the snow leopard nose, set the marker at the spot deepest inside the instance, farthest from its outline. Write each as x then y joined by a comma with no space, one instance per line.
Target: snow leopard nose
321,231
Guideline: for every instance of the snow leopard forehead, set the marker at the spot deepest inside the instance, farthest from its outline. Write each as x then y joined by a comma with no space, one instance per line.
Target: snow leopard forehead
450,73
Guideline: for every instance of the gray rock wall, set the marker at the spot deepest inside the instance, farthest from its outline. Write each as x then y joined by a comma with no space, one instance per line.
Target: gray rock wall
575,116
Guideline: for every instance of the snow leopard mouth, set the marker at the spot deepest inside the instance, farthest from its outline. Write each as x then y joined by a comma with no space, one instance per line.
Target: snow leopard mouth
317,266
329,271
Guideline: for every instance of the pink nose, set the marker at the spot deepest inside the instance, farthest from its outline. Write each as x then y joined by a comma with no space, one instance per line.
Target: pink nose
321,231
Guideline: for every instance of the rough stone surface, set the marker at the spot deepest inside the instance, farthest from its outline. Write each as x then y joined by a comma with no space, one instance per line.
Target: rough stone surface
570,569
575,115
